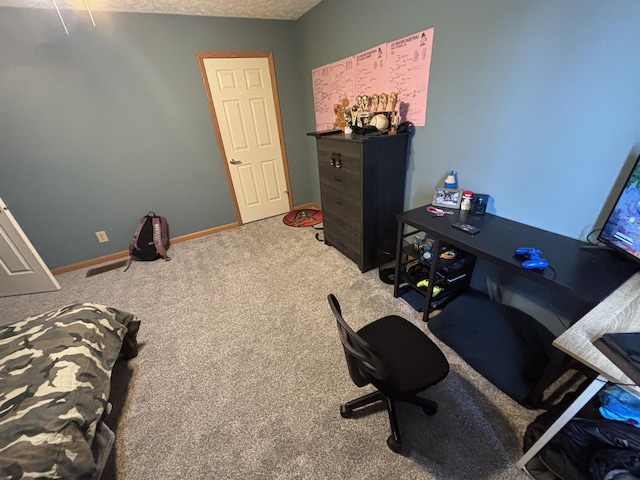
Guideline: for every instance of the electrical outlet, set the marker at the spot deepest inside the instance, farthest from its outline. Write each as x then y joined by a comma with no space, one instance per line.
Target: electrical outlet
102,236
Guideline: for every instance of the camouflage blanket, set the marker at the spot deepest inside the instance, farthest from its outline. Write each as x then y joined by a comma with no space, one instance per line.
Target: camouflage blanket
55,372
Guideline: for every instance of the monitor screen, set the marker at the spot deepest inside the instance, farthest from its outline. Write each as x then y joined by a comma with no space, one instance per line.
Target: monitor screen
621,231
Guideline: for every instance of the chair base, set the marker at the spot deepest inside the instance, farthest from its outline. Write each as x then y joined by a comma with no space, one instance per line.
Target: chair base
393,442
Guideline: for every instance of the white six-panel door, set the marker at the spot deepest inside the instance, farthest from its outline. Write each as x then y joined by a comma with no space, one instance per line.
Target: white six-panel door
21,268
246,116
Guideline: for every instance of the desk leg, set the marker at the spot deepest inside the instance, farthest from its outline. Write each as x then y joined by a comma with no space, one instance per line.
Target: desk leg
396,280
432,280
562,420
558,364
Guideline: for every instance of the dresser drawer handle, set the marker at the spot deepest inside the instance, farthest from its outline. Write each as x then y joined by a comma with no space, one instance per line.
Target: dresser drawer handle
339,202
336,160
337,179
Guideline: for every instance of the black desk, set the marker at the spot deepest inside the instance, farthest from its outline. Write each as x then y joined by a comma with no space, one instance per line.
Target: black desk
586,275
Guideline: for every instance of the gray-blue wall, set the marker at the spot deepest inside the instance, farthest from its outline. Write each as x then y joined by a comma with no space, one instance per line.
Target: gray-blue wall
100,126
535,103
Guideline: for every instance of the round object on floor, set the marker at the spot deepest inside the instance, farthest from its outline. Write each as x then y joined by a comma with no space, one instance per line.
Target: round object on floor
387,275
303,218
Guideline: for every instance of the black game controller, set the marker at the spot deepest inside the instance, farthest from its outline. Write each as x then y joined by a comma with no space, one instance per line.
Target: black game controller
535,259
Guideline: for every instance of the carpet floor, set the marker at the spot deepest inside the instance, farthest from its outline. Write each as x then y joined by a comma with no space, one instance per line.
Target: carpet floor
241,373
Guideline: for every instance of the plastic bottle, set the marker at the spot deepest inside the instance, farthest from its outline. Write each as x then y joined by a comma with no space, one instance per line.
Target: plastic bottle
467,195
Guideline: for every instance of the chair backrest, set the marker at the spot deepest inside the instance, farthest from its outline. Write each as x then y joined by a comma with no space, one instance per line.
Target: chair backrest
364,365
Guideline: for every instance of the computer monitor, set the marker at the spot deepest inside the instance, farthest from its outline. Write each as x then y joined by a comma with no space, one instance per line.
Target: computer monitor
621,231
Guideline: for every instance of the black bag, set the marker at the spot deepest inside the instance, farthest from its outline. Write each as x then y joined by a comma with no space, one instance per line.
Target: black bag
150,240
588,446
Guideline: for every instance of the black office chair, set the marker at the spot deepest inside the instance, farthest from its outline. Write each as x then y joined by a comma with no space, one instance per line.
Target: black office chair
397,358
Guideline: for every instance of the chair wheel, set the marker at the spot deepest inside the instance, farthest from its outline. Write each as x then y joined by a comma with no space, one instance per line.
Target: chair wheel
393,444
345,411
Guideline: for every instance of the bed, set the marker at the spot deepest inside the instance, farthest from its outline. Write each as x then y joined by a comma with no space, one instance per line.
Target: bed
55,381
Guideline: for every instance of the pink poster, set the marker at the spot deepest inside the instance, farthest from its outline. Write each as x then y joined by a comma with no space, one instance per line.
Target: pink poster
332,83
372,71
410,60
401,66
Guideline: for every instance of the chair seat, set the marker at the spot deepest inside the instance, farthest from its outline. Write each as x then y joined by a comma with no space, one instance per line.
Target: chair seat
414,362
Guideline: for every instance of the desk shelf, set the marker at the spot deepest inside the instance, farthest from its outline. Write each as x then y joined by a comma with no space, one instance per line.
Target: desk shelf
452,276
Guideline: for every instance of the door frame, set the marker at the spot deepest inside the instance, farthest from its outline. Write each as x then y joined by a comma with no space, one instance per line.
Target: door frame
202,56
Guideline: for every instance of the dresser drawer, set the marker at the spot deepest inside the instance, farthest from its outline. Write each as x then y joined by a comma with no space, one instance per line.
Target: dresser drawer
346,181
350,228
339,204
348,154
345,241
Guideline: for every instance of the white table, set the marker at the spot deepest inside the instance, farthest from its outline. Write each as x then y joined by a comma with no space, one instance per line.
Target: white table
619,312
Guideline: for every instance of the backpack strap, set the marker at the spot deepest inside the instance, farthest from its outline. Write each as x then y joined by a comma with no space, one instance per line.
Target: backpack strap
128,263
134,240
157,239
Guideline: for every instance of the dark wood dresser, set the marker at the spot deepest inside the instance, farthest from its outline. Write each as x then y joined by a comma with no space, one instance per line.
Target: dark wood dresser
362,188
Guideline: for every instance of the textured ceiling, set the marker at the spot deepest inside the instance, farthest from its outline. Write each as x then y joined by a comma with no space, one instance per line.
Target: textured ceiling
265,9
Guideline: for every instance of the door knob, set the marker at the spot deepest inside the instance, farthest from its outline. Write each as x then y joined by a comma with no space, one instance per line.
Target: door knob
235,162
